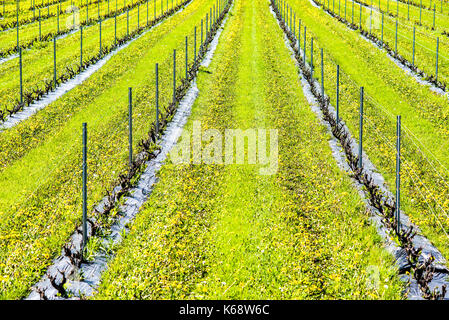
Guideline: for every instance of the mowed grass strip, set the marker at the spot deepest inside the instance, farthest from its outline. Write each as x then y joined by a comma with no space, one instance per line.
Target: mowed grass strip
228,232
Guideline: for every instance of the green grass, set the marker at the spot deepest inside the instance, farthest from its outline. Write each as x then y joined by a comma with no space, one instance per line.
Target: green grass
227,232
389,92
40,186
426,40
38,64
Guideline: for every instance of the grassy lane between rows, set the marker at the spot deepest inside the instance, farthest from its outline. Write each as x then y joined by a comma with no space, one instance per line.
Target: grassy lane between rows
41,191
388,92
425,57
38,65
230,232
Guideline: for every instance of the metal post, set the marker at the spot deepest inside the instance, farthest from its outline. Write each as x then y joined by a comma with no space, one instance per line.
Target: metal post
311,58
187,56
352,11
420,12
101,51
322,74
17,17
127,23
81,47
434,11
157,98
174,76
57,12
21,75
361,129
413,54
201,32
299,36
84,185
345,8
194,52
436,71
54,61
304,48
382,37
338,94
396,38
360,22
398,174
40,27
130,126
115,28
408,9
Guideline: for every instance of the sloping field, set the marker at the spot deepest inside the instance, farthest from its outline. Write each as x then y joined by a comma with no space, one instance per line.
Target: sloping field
299,233
233,149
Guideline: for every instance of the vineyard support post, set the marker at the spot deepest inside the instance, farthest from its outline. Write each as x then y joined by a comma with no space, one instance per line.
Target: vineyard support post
304,47
194,50
115,28
398,174
187,57
345,8
87,12
420,12
101,51
201,32
294,24
127,22
157,98
434,11
138,16
54,61
147,12
360,20
17,26
338,94
207,25
84,186
361,130
436,67
40,25
21,75
413,51
322,74
396,38
311,58
81,47
382,36
57,12
299,36
130,125
174,76
408,10
352,11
